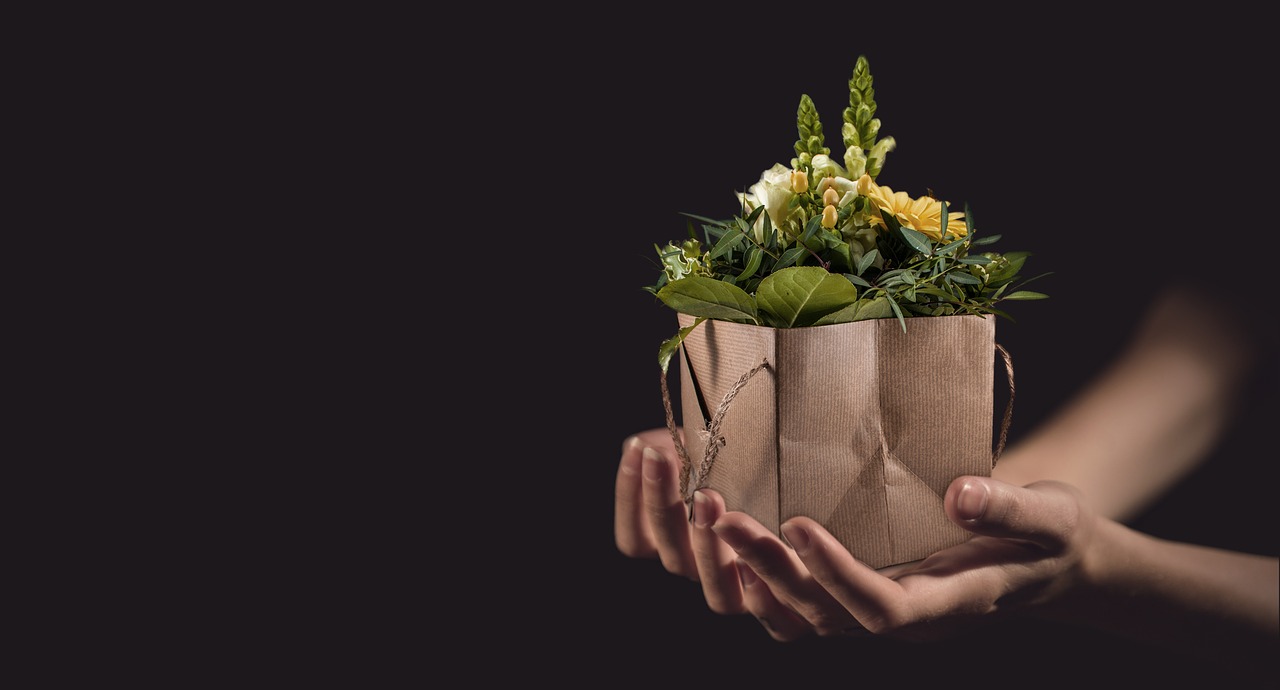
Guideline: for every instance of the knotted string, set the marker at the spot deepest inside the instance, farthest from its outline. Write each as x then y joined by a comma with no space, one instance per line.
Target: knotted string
691,480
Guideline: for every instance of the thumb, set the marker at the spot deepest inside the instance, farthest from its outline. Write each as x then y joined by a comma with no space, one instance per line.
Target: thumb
1044,512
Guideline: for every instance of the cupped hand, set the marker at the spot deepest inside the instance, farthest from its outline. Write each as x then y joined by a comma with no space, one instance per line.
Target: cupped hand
1030,546
651,520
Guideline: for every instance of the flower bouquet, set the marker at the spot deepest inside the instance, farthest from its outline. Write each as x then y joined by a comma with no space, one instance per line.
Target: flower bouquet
810,383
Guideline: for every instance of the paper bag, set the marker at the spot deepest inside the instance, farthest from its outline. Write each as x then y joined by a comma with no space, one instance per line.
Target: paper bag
860,426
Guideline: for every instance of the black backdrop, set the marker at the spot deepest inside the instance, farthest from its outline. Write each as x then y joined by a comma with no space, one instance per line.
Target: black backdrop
1126,155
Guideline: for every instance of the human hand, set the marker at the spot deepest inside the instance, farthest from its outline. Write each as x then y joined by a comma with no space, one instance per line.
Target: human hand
651,520
1031,546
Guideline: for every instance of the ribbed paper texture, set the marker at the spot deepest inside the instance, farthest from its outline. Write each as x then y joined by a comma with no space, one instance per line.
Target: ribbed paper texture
859,426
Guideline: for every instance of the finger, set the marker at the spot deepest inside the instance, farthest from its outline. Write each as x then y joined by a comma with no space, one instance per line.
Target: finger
877,602
778,620
1045,513
784,573
631,530
667,513
721,585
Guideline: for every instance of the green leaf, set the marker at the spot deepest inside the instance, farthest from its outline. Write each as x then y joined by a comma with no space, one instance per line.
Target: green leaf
962,277
1001,314
754,257
800,295
989,239
936,292
1026,295
898,310
949,247
856,280
670,345
974,260
811,228
867,259
788,257
862,310
942,222
714,299
877,308
918,240
729,241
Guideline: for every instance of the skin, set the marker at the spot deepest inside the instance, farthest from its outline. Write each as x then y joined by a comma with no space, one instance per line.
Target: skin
1048,538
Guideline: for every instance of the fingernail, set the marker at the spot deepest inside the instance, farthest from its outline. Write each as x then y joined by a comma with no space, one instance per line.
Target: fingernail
746,574
651,460
971,504
701,510
797,537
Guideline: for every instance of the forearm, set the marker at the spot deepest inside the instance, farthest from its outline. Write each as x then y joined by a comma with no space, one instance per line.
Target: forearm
1212,603
1147,420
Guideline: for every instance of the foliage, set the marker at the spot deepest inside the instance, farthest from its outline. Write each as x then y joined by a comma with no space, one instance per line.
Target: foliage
822,243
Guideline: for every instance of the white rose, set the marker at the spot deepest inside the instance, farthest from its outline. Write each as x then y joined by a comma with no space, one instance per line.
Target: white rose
774,191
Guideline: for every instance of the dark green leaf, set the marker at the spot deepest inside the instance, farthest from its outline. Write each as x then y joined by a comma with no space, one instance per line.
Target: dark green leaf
857,280
962,277
898,310
726,243
789,257
989,239
811,228
918,240
867,259
974,260
1026,295
754,257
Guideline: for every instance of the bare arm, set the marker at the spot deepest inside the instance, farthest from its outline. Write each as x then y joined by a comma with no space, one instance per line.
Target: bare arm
1149,418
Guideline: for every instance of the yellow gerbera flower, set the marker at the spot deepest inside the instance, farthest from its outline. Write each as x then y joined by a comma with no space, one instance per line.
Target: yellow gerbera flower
923,214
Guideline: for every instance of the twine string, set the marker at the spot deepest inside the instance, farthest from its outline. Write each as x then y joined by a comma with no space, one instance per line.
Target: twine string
1008,408
691,480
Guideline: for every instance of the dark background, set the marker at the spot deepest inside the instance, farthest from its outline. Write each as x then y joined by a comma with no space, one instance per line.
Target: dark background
1128,155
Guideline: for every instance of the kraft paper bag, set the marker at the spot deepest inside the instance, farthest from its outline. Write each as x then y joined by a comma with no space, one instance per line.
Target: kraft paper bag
860,426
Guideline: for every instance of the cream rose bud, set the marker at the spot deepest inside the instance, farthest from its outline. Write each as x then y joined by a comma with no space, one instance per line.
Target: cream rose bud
799,181
831,196
829,217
